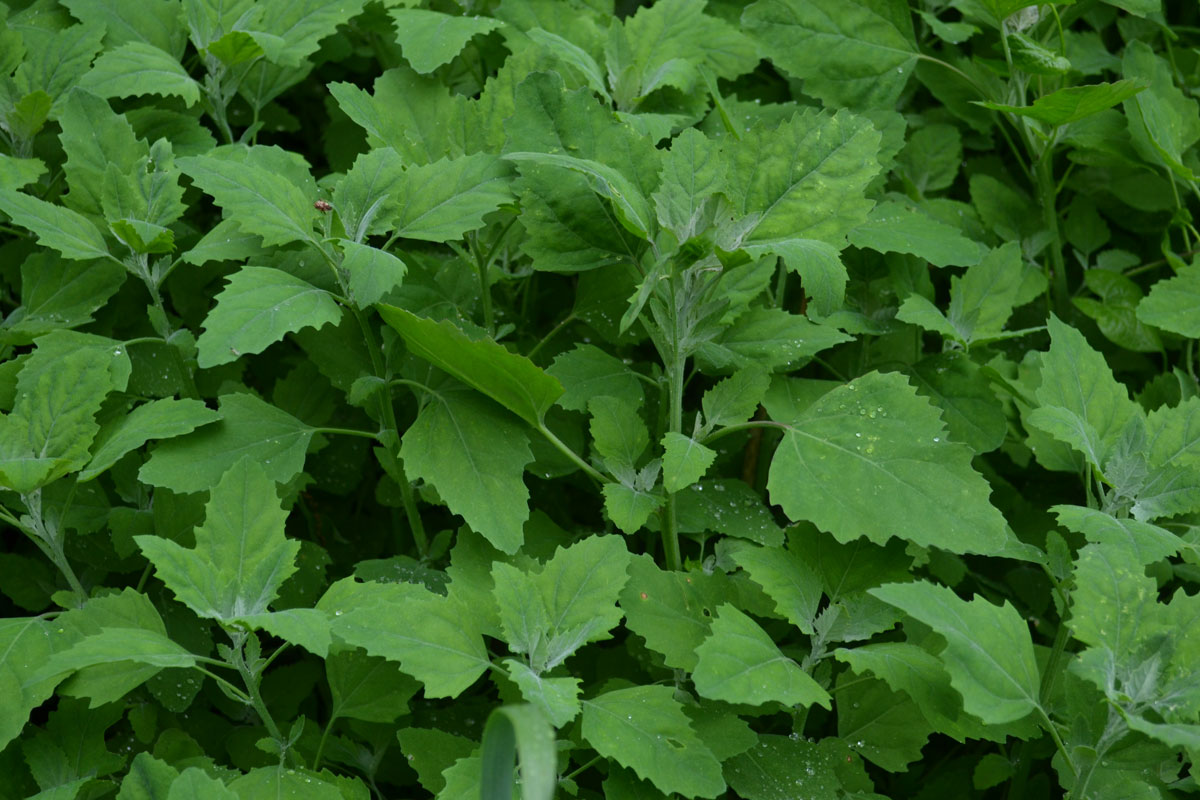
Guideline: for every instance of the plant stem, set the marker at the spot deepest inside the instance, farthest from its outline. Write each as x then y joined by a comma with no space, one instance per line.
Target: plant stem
670,532
251,681
553,331
321,745
571,454
43,535
1044,168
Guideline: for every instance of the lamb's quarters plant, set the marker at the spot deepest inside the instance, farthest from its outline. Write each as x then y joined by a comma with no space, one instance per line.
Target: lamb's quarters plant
577,398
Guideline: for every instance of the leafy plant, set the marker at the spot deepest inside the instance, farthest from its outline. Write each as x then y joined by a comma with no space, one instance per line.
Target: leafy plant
560,397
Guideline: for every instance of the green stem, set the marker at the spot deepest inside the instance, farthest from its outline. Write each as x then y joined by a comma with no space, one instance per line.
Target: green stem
53,543
321,745
670,532
742,426
553,332
348,432
251,682
571,454
1044,169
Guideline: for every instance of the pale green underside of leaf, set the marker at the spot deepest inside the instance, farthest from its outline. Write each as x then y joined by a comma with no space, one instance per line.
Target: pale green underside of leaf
1174,304
871,458
1073,103
474,455
430,39
739,663
257,307
644,728
989,652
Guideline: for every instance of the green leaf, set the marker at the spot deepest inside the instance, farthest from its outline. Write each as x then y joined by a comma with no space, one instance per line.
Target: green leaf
59,61
856,54
373,272
475,456
241,555
514,731
443,200
1145,542
735,399
155,22
644,728
194,784
738,663
887,728
670,610
149,778
817,263
784,767
586,371
932,156
882,451
367,687
1113,601
768,338
305,627
430,39
989,653
262,202
511,380
115,645
18,172
1163,121
250,428
257,307
1073,103
557,698
366,197
895,227
158,419
788,581
1172,303
1081,403
431,636
62,229
280,781
629,507
136,68
618,433
684,461
973,414
25,645
52,424
692,172
982,300
59,293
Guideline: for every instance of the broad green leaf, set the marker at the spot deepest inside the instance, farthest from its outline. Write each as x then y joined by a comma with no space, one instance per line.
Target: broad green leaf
728,506
788,581
149,778
989,653
430,39
25,645
58,62
59,293
257,307
194,784
692,172
57,227
367,687
738,663
579,588
225,241
629,507
684,461
881,450
156,22
430,751
1112,603
557,698
618,433
1172,303
431,636
1115,312
920,311
518,735
894,227
303,24
474,455
18,172
670,610
439,202
818,264
982,300
250,428
1145,542
644,728
280,781
1163,121
768,338
586,371
158,419
241,555
365,197
305,627
52,424
734,399
1001,10
136,68
1173,434
1073,103
633,209
887,728
373,272
115,645
262,202
858,53
1081,403
931,157
786,767
511,380
973,414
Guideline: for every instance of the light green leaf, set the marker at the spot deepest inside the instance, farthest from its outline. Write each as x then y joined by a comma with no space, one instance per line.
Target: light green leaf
1173,434
262,202
895,227
518,733
430,635
195,784
817,263
366,197
579,588
257,307
474,455
920,311
225,241
373,272
857,53
629,507
249,428
302,25
557,698
783,768
586,371
973,414
739,663
618,433
989,652
280,782
887,728
59,293
982,300
439,202
115,645
787,580
684,461
1073,103
1112,603
17,172
430,39
156,22
1145,542
59,62
511,380
670,610
1172,303
306,627
692,172
633,210
62,229
367,687
1081,403
881,450
931,156
25,646
158,419
137,68
241,555
1163,121
734,399
768,338
644,728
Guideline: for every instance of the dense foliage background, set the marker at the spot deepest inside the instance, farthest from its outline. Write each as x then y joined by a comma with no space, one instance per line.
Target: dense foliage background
789,399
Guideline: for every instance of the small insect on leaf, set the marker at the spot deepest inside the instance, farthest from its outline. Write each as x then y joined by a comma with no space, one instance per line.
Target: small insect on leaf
323,205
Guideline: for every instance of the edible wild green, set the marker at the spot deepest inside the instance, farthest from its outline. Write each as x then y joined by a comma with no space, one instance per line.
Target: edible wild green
554,397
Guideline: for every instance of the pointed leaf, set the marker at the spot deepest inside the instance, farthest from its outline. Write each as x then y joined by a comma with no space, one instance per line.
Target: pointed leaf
430,39
261,201
587,371
1073,103
443,200
373,272
1171,304
137,68
734,400
684,461
628,507
787,580
158,419
62,229
618,433
367,687
894,227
